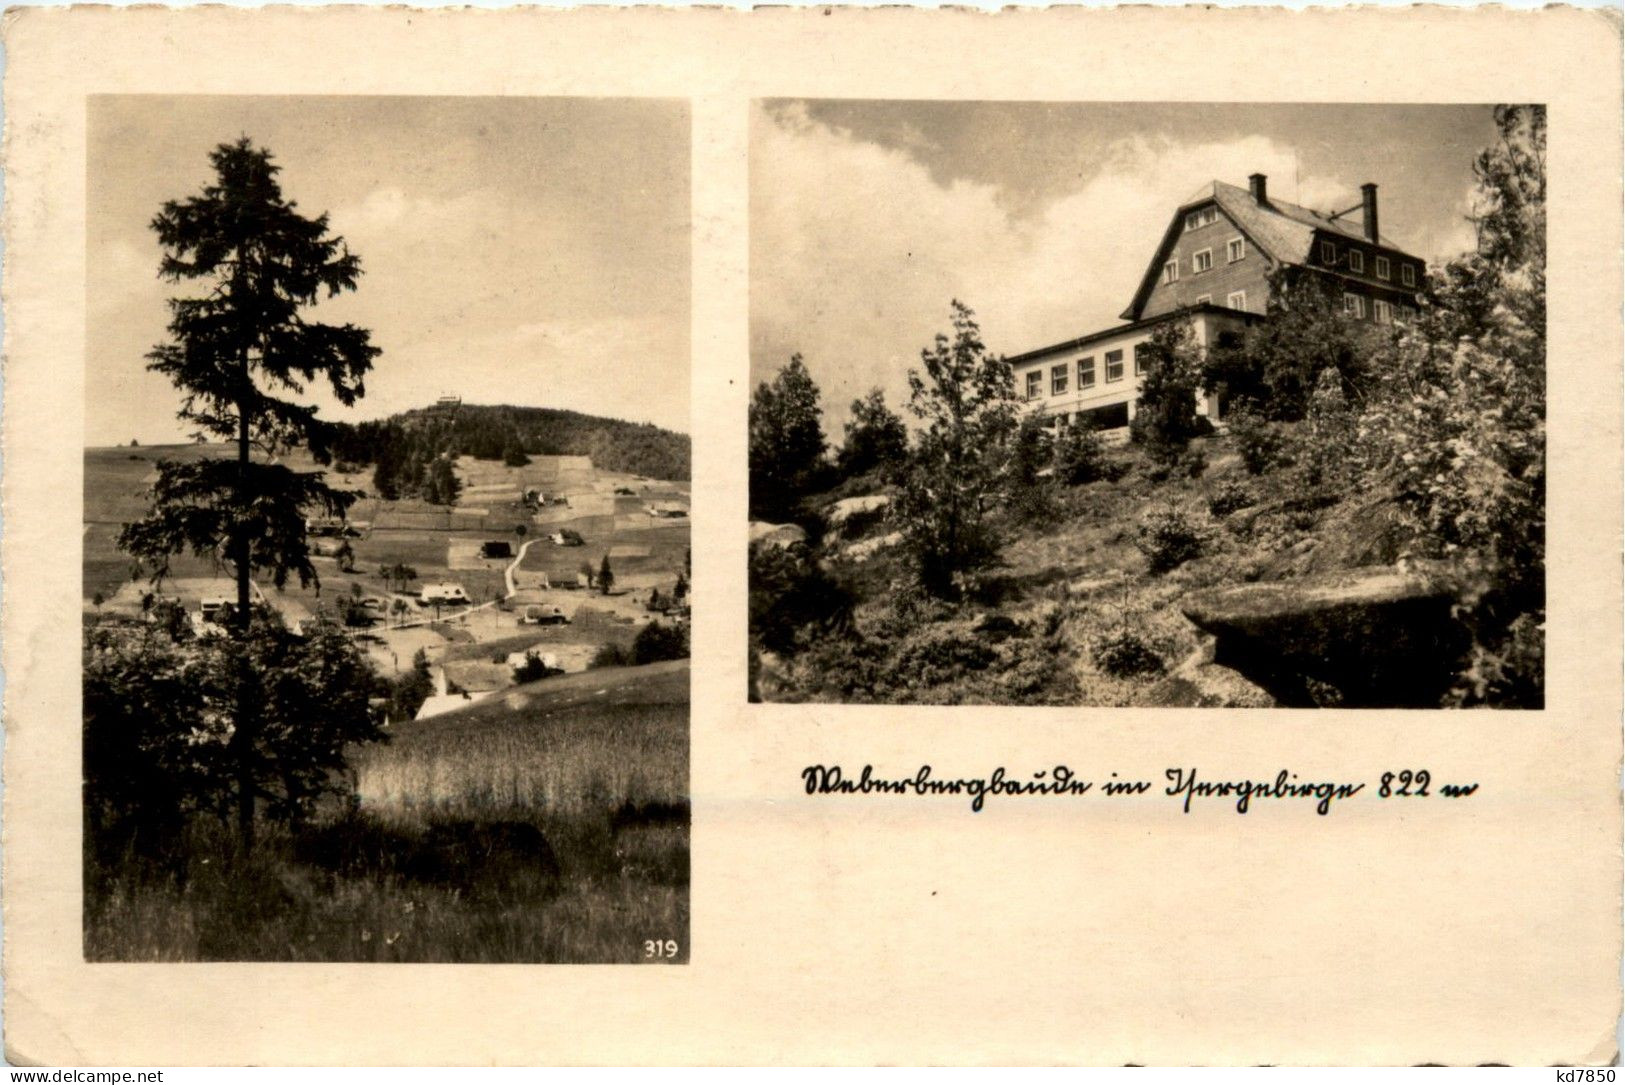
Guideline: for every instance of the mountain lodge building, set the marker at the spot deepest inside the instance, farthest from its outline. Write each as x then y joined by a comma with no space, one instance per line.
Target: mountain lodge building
1212,266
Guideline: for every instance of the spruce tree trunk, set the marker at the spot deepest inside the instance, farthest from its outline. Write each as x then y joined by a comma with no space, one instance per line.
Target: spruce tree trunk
243,735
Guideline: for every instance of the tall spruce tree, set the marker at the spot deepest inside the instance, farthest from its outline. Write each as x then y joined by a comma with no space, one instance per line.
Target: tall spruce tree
240,340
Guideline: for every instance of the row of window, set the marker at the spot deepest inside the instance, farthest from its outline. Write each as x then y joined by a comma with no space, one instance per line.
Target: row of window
1384,312
1236,299
1202,259
1383,267
1060,375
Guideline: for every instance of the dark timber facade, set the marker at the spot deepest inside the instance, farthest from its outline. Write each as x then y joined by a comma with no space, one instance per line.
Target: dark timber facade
1213,265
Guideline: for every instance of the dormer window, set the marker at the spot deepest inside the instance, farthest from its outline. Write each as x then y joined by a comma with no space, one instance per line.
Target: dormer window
1328,252
1382,267
1197,219
1202,260
1357,261
1235,249
1407,274
1170,271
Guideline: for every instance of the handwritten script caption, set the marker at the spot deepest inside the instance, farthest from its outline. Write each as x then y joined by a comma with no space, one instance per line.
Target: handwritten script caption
1184,785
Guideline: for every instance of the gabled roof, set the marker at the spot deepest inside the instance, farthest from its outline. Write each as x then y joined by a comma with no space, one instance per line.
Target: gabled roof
1282,231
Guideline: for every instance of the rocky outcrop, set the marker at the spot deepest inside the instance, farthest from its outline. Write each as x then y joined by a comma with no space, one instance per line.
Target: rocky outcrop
1369,638
764,534
850,507
851,517
865,549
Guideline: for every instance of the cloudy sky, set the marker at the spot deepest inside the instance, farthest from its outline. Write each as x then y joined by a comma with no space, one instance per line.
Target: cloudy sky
867,217
528,251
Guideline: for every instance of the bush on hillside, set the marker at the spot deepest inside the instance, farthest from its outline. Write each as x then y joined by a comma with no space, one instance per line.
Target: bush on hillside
610,655
791,598
1324,442
1125,655
1168,539
657,642
1229,496
1080,456
1258,440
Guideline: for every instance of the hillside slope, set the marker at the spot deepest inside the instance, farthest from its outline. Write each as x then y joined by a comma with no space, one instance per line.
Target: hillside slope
1076,613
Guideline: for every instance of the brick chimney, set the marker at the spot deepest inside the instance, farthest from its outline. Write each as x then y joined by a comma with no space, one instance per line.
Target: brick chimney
1255,184
1368,202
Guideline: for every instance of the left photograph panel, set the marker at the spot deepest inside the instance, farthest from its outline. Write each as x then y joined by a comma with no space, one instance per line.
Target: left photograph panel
386,529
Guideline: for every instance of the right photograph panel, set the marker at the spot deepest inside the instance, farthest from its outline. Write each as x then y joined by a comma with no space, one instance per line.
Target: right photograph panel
1147,404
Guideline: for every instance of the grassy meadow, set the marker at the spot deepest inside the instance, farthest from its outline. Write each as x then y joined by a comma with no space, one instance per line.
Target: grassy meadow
547,824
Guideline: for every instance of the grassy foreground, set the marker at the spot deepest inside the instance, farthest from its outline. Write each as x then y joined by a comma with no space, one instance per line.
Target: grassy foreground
549,824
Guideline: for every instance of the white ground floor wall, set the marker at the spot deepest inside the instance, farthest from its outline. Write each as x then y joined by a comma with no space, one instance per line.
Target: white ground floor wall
1083,380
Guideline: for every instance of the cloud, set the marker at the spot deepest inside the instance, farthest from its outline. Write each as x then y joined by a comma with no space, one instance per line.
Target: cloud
856,249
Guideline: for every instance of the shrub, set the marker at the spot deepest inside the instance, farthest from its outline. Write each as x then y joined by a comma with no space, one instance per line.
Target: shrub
1125,655
610,655
1035,505
1325,441
658,641
532,669
937,657
791,597
1229,496
1168,539
1257,439
1080,456
1035,671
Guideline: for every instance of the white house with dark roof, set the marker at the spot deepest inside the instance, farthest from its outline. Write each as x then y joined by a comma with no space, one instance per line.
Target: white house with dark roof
1213,265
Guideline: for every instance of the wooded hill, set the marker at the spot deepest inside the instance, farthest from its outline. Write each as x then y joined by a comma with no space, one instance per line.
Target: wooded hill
403,449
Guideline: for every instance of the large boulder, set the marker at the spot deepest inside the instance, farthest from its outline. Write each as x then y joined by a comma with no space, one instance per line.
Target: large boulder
764,534
1370,638
852,516
846,508
864,549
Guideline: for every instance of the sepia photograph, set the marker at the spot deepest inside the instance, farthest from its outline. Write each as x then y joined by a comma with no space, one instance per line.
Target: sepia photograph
386,566
1147,404
1113,475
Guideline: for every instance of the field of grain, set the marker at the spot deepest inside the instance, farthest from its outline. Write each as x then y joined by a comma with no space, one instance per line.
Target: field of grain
548,824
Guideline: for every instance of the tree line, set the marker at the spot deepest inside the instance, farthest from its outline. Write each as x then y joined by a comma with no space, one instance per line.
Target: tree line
411,453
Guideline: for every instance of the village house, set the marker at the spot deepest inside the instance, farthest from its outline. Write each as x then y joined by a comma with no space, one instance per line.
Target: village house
444,593
1213,266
